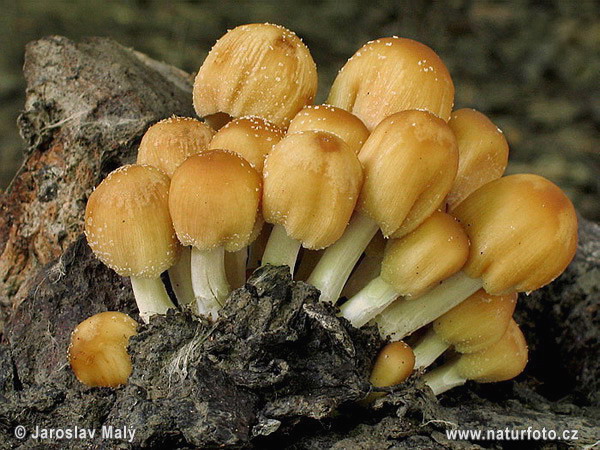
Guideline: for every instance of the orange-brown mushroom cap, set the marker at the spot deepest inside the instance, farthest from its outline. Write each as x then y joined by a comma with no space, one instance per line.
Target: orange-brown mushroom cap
394,364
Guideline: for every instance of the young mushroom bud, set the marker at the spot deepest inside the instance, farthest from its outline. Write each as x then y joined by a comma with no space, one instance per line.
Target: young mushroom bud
256,70
250,137
409,163
394,364
523,234
168,143
129,228
214,202
471,326
98,349
411,265
311,183
334,120
482,153
502,361
389,75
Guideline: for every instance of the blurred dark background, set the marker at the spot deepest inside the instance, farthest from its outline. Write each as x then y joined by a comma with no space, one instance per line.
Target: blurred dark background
532,66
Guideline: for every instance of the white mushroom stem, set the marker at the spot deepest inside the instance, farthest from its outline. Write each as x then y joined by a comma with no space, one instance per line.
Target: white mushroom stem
181,278
367,270
151,297
281,249
428,348
336,264
444,378
235,267
369,302
209,280
407,315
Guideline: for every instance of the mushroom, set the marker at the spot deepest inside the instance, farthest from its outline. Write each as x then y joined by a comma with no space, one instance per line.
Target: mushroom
409,164
98,349
389,75
128,227
334,120
368,268
482,153
394,364
255,70
502,361
471,326
214,202
523,234
411,265
311,183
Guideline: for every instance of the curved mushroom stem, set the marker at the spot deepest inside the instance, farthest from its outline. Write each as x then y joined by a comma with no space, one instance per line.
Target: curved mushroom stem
235,267
428,348
181,278
151,297
370,301
408,315
281,249
209,280
444,378
336,264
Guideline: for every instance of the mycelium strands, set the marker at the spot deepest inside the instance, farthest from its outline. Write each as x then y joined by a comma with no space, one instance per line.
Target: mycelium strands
98,349
250,137
502,361
435,250
409,163
473,325
389,75
523,234
393,365
334,120
483,153
259,70
128,227
214,202
311,183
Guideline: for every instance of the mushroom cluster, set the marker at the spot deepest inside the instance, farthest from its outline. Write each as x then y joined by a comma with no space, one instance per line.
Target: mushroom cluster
385,199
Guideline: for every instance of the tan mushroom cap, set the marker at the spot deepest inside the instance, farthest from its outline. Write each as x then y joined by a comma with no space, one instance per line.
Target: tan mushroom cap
393,74
214,200
482,150
128,225
333,120
434,251
256,70
523,233
250,137
476,323
168,143
409,163
311,182
502,361
98,349
394,364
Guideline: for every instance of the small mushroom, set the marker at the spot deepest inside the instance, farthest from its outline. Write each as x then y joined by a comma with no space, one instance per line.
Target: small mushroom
502,361
98,349
394,364
128,227
393,74
259,70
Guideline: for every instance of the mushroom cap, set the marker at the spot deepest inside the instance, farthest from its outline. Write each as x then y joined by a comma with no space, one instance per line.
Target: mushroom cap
214,200
434,251
393,74
128,225
476,323
394,364
409,164
502,361
98,349
250,137
338,121
482,153
523,233
311,182
256,70
168,143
